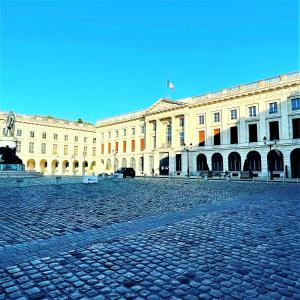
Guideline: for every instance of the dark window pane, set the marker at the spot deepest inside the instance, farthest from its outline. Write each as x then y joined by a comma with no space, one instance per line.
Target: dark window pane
252,133
274,130
233,135
296,128
217,137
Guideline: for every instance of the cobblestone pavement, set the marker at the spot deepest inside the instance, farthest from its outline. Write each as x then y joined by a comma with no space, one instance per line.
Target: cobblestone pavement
150,239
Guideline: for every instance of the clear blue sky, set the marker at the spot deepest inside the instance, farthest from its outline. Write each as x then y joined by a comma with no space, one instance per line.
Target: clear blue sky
96,59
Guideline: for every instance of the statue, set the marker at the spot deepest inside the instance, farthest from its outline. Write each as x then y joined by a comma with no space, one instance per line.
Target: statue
10,124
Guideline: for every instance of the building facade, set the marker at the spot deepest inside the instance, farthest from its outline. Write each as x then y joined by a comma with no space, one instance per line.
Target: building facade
228,130
219,131
54,146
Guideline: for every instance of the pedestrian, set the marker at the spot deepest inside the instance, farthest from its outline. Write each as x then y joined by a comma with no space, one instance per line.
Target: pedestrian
152,172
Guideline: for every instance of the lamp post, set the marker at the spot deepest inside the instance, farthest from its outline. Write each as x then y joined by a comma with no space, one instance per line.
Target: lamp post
271,144
84,156
114,152
188,149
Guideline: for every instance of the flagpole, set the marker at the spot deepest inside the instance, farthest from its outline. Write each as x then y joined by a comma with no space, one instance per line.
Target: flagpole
166,87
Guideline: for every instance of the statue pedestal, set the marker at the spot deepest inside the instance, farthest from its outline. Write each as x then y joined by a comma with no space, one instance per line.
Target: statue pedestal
9,141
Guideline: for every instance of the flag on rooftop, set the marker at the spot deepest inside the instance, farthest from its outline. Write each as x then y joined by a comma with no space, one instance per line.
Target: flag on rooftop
170,85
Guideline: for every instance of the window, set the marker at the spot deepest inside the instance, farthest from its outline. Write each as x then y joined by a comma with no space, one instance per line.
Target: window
94,151
217,136
274,130
3,131
252,111
76,138
55,136
102,135
75,150
273,109
31,134
109,148
124,146
43,148
55,149
132,131
18,146
154,142
94,140
31,147
85,139
124,131
116,133
233,114
154,126
216,117
178,162
252,133
44,135
234,135
102,148
85,151
116,147
169,133
65,149
296,104
132,145
19,132
181,138
296,128
142,129
201,138
142,144
66,138
181,121
201,119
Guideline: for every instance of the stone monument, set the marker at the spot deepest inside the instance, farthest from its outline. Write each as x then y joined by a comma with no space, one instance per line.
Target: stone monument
9,161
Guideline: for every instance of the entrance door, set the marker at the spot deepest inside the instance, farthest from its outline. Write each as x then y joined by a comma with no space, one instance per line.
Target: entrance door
295,163
164,163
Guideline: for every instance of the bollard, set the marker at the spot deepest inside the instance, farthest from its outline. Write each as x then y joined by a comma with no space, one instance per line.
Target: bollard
58,179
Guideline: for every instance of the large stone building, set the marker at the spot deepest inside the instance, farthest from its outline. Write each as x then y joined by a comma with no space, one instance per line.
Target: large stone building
225,130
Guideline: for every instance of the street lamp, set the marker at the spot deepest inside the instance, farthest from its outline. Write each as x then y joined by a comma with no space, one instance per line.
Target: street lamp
188,149
114,152
84,156
270,145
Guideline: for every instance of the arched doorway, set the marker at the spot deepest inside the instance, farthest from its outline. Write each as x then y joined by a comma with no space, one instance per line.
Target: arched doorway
85,165
116,164
295,163
31,164
132,163
75,166
124,163
43,166
65,167
141,164
275,161
217,162
234,161
93,167
108,165
202,163
252,162
54,166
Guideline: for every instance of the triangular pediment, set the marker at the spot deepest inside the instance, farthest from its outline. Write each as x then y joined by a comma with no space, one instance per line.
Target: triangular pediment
162,105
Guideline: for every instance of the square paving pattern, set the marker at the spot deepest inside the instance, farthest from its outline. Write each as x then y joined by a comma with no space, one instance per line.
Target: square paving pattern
150,239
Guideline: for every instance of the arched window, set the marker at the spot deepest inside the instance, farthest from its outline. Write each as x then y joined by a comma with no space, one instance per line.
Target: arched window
202,163
275,160
252,162
124,163
234,161
132,162
295,163
217,162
